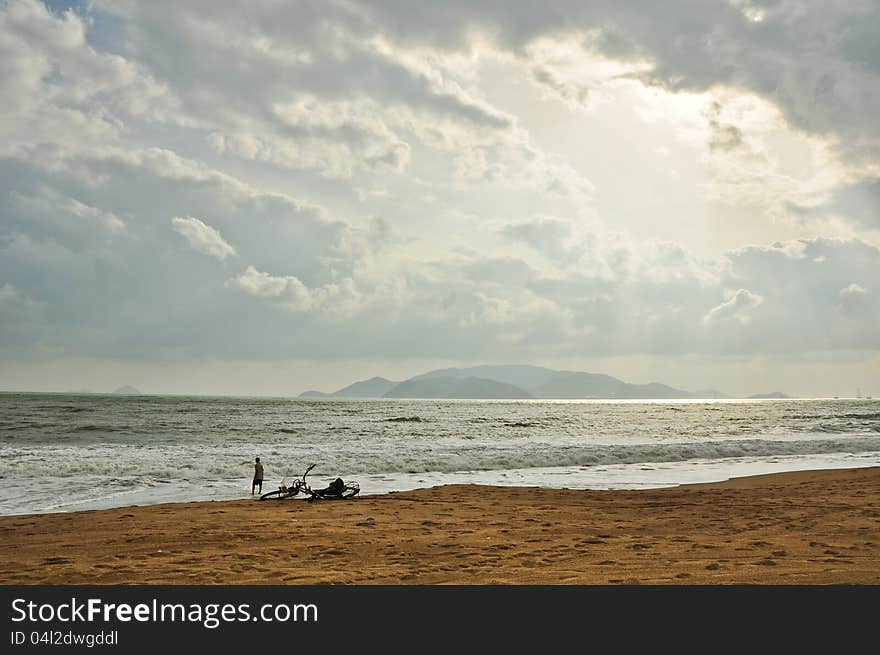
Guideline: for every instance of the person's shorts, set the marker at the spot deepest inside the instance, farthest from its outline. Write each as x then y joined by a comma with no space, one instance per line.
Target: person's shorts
258,480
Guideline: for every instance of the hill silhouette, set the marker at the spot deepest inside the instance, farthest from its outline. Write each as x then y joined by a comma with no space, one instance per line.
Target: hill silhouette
451,387
772,394
510,381
127,390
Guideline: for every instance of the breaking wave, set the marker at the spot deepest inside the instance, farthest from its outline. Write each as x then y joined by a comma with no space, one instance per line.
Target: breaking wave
187,462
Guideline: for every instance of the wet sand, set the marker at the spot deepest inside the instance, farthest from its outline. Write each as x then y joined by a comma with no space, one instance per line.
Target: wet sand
810,527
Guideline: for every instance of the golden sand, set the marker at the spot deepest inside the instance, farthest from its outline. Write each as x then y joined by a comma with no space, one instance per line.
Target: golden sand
810,527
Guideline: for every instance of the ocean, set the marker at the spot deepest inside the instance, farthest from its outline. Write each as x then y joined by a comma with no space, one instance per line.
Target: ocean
75,452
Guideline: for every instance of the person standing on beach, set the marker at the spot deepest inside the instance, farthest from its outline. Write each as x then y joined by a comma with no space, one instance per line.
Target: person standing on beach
258,477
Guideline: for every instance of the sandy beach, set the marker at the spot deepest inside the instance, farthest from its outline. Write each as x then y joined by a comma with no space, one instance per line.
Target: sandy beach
811,527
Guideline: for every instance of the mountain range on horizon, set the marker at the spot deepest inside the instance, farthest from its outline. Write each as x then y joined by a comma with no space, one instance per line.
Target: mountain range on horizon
515,382
127,390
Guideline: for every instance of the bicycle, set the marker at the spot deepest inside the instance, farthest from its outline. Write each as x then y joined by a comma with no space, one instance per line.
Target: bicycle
336,490
285,491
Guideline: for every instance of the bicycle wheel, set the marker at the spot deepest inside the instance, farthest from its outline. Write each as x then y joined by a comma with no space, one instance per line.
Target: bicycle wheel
278,494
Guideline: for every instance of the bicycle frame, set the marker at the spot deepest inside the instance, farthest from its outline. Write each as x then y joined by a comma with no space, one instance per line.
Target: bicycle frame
300,485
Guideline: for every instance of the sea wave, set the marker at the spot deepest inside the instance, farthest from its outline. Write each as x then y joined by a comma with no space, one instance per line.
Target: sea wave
188,462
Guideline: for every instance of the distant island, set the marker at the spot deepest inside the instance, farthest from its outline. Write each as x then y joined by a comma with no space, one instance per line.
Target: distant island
372,388
127,391
513,382
772,394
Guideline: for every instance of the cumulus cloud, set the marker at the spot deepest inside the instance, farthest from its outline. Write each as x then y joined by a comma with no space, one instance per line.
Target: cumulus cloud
202,238
739,306
258,283
551,237
334,301
56,87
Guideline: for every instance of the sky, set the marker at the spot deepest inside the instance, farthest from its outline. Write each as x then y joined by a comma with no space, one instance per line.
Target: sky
262,198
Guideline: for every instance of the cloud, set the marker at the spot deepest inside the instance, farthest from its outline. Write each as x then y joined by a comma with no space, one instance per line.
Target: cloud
548,236
333,138
125,292
853,290
317,286
824,85
202,238
724,135
801,282
564,66
335,301
367,183
324,93
859,201
53,213
110,220
818,65
738,307
56,87
293,292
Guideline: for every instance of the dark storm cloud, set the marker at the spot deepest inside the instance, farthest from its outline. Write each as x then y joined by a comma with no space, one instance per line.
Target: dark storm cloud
818,61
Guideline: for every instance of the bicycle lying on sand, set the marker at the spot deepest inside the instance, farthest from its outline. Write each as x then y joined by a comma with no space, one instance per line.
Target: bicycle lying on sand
336,490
